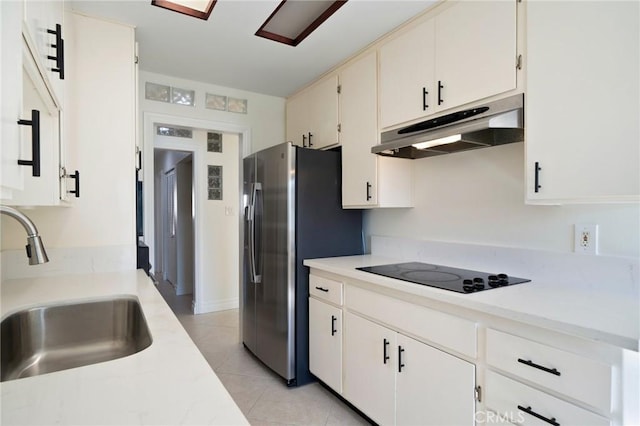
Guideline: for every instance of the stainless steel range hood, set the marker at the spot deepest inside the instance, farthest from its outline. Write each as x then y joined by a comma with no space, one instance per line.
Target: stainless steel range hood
496,123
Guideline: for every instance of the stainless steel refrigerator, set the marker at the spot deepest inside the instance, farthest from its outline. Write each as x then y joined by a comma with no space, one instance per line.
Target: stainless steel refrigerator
292,212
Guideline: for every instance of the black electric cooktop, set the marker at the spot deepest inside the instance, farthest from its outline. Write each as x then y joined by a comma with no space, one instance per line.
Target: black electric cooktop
444,277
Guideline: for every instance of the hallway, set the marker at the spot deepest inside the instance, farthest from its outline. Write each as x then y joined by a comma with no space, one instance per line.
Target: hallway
260,393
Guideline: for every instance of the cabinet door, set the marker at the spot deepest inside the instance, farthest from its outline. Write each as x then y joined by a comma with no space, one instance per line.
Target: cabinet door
359,132
323,113
475,51
369,375
582,111
433,387
297,120
43,190
407,89
11,98
40,17
325,343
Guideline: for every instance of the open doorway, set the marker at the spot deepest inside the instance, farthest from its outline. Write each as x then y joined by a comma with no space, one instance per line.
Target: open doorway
217,218
174,214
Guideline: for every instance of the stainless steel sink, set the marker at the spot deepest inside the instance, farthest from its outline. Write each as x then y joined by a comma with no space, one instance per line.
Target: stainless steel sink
58,337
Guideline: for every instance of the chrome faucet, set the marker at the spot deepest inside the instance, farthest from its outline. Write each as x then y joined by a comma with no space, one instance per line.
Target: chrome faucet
35,248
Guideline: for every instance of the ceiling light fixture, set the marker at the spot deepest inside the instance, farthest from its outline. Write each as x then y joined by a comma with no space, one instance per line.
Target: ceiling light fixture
197,8
292,21
437,142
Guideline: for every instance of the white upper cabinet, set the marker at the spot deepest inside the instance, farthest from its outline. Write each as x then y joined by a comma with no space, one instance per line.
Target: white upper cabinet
11,98
582,102
39,141
312,115
44,33
407,76
465,53
368,180
32,153
475,51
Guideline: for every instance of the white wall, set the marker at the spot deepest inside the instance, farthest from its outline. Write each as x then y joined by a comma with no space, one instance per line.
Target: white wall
265,114
478,197
221,239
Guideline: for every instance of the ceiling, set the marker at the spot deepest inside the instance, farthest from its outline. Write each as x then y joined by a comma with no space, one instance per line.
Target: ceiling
224,50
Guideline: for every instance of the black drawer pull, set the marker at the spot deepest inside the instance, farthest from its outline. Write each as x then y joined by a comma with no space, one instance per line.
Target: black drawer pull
529,411
35,142
75,176
536,183
369,191
333,325
400,364
440,87
310,143
424,99
326,290
59,46
385,357
539,367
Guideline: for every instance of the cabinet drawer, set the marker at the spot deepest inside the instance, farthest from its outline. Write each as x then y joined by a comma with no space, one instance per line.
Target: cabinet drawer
573,375
326,289
442,329
504,396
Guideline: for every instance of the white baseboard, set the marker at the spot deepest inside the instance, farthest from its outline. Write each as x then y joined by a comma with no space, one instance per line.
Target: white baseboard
215,305
69,261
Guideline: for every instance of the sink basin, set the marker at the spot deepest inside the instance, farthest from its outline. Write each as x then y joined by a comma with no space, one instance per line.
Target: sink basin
58,337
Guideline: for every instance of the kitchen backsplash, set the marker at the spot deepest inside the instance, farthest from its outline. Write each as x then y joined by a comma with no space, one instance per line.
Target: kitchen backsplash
569,270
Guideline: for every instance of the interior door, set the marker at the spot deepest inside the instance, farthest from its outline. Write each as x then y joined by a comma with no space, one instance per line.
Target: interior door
274,307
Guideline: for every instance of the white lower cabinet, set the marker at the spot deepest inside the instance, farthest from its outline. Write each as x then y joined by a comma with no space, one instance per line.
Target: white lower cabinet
395,379
519,404
325,343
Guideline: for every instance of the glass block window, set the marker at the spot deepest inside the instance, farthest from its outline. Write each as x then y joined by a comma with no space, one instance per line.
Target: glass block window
157,92
182,96
178,132
218,102
237,105
214,142
214,184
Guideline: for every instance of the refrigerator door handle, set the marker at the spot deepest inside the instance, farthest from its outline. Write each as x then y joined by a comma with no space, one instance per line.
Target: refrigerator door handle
253,249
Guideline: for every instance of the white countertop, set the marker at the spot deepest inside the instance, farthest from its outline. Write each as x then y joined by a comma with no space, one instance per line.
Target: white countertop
168,383
595,313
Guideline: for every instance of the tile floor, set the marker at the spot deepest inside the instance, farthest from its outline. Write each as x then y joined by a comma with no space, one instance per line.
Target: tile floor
261,394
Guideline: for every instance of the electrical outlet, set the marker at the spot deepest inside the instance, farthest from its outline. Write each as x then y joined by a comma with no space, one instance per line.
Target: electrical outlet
585,238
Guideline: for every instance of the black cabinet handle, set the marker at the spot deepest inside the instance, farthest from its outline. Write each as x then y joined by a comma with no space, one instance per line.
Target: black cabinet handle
440,87
536,184
35,142
424,99
76,190
326,290
304,141
59,46
529,411
310,143
385,357
400,364
139,165
368,191
333,325
538,366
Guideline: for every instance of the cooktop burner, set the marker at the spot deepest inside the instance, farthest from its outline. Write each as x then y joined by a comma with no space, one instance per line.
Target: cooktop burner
447,278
